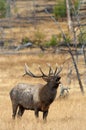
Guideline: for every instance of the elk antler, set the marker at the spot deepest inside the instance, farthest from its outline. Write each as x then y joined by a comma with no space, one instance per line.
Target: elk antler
42,71
56,69
28,72
59,70
50,70
44,76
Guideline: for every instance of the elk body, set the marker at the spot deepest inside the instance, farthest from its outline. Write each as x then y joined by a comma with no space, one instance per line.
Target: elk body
35,97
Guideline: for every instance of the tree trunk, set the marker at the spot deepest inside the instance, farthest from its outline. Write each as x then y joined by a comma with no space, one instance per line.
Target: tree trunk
70,51
76,68
68,16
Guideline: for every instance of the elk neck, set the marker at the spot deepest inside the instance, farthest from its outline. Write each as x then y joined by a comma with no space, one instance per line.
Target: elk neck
48,93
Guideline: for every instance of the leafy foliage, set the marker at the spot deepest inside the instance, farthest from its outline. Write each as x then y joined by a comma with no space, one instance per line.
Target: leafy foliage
2,8
76,4
39,37
82,38
53,41
60,10
25,40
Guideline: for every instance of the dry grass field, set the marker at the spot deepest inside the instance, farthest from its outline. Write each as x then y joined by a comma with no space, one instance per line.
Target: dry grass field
65,114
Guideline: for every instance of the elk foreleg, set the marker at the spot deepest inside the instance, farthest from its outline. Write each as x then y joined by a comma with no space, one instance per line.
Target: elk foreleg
45,113
20,111
36,113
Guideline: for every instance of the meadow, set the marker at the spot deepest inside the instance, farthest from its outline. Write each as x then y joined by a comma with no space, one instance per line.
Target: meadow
67,113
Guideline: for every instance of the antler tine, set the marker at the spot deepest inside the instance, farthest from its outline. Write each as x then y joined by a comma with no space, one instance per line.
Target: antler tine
25,68
28,72
56,69
59,70
44,75
50,70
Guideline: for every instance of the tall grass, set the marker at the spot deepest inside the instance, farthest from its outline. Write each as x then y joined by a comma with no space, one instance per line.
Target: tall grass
68,113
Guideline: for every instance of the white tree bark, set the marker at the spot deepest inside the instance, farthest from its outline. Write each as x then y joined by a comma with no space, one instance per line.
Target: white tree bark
69,17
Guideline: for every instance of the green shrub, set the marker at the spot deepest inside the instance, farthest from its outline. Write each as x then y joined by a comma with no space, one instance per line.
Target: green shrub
60,10
2,8
53,42
25,40
82,38
68,39
76,4
16,10
39,37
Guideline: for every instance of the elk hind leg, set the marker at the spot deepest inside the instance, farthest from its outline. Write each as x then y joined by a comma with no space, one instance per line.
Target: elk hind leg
14,108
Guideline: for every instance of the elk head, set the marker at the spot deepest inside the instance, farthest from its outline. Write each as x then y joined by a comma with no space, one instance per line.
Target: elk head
52,77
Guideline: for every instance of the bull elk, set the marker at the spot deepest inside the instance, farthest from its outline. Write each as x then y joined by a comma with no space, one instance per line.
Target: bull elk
35,97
